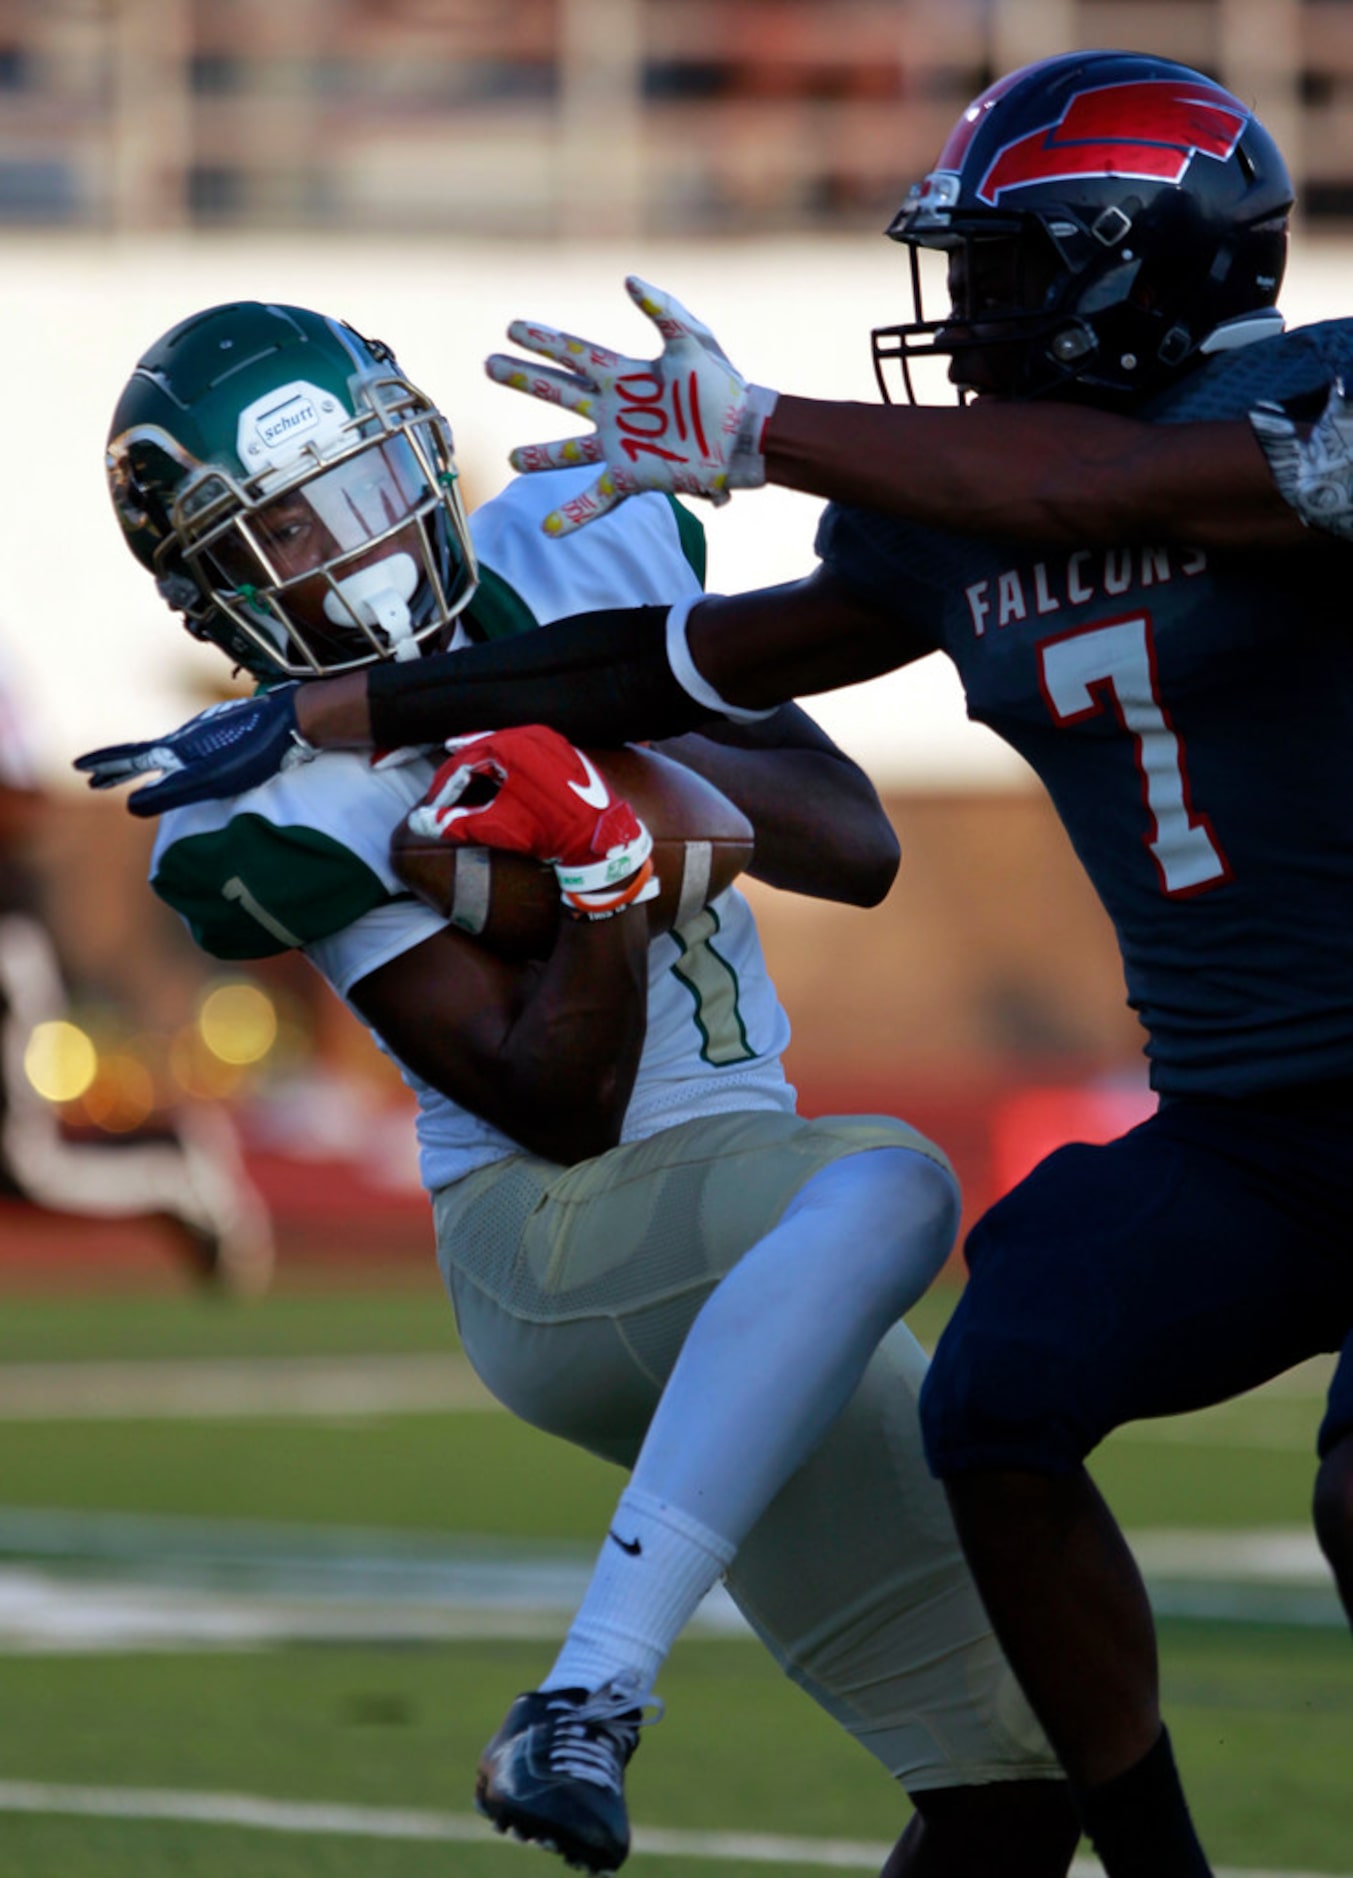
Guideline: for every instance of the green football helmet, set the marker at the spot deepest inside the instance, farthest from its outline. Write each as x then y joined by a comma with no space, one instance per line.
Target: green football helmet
295,497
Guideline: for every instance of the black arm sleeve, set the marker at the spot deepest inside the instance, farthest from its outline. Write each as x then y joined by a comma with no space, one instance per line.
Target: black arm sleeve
599,678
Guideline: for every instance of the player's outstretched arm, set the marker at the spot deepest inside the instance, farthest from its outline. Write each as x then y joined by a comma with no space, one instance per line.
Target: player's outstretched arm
686,422
689,423
594,677
1038,471
637,673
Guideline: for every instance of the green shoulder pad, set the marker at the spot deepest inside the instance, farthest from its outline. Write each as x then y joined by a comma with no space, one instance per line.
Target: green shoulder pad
691,531
253,888
498,610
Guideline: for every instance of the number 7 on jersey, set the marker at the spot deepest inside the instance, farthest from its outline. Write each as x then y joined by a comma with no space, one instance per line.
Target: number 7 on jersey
1118,658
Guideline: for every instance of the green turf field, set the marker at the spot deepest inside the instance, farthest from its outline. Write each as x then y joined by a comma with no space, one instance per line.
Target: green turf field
227,1504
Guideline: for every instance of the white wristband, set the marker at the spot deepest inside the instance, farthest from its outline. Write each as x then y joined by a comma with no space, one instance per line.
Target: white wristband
684,668
747,464
613,867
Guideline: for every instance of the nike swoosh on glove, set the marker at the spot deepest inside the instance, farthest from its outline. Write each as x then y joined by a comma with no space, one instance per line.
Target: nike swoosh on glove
530,791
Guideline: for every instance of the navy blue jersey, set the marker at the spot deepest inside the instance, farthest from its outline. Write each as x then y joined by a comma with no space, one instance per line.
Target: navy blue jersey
1191,715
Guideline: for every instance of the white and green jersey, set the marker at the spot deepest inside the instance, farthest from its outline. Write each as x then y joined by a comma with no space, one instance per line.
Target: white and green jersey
302,862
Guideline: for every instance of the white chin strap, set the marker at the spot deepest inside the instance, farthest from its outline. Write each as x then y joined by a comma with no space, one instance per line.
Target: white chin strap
379,596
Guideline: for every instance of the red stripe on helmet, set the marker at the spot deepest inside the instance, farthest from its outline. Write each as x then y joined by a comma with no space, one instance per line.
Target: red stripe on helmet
1151,128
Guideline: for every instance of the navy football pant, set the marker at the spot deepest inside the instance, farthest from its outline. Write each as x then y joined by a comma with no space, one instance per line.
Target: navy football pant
1195,1257
1338,1420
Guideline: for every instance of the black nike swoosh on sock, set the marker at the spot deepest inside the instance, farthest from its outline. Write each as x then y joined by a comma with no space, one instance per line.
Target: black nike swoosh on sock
633,1546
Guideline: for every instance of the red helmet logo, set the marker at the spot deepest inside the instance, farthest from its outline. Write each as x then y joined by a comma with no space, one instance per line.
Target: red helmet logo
1151,129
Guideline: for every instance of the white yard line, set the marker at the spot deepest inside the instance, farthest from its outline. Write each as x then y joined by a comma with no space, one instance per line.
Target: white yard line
238,1604
85,1583
1270,1555
378,1822
228,1388
91,1581
214,1388
340,1558
42,1614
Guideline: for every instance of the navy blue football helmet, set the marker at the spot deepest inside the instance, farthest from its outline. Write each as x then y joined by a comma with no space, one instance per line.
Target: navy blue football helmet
1109,219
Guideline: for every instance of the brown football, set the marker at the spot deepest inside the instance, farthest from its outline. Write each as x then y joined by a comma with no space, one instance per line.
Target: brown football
510,903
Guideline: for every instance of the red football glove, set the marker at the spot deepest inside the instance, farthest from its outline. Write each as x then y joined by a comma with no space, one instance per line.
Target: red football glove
530,791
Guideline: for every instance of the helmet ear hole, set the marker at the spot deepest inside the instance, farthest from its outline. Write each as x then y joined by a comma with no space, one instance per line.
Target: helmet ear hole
179,591
1072,345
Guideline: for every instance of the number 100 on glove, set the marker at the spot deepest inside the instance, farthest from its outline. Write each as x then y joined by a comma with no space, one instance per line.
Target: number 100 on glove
686,422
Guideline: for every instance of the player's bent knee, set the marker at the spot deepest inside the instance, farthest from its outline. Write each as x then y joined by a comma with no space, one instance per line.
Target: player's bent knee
933,1200
1333,1512
991,1400
890,1216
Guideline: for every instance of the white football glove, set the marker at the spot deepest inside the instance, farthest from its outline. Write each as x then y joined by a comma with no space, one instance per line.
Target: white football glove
687,422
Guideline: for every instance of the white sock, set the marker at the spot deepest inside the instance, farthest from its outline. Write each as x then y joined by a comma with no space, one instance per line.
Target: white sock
656,1565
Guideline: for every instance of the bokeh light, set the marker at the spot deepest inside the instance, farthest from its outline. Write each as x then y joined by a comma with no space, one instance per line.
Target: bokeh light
197,1072
237,1022
122,1095
60,1061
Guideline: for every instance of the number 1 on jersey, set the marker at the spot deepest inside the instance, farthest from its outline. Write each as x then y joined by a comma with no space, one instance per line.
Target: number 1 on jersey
1119,659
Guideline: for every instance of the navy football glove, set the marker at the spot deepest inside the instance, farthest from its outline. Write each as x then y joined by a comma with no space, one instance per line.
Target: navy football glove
221,752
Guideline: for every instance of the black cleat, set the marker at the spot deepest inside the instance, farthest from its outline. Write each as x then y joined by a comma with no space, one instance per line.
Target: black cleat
554,1773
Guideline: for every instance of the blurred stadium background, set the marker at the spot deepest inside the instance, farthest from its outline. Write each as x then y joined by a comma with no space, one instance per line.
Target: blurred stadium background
430,169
